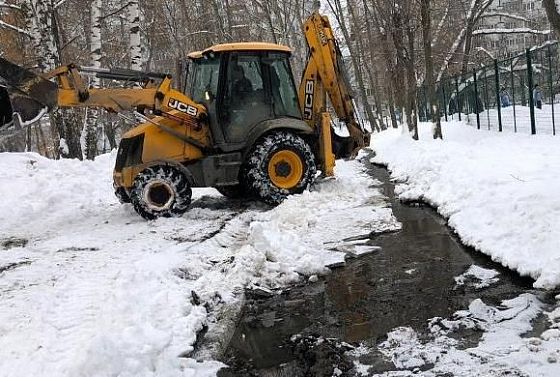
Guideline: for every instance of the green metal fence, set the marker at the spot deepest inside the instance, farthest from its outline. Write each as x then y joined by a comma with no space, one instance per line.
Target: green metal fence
519,94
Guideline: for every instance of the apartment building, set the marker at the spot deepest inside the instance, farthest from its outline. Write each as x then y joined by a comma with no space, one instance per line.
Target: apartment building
513,19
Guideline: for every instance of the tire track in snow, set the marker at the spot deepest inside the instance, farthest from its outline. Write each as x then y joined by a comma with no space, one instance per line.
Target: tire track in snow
71,303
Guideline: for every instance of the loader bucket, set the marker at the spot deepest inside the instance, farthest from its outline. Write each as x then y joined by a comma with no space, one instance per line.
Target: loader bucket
24,93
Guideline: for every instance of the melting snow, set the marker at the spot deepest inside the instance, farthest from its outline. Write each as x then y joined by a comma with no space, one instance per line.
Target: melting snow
98,291
482,277
498,191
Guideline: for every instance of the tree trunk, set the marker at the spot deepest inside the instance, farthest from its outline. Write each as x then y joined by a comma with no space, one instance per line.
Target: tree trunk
427,43
356,61
135,42
553,14
89,133
399,73
412,109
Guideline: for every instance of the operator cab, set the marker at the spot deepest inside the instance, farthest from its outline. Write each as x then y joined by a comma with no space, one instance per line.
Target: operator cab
242,85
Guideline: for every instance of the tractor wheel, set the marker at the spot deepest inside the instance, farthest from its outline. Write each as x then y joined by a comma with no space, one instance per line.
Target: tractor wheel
160,191
280,164
233,192
122,195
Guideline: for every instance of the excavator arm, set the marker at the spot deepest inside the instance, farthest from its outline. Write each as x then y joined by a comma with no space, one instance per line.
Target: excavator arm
324,76
30,95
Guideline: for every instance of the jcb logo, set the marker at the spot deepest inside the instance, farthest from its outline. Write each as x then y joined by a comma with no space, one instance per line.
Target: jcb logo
183,107
308,105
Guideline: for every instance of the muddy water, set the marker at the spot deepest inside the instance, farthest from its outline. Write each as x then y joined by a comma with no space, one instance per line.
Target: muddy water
407,281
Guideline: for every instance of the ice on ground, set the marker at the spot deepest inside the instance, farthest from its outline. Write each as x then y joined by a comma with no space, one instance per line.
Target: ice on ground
498,191
480,277
97,291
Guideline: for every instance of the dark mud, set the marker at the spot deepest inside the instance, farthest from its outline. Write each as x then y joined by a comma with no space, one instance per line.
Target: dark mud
13,242
306,330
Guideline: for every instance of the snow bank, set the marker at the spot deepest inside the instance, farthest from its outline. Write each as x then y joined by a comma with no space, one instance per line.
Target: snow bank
499,191
35,189
98,291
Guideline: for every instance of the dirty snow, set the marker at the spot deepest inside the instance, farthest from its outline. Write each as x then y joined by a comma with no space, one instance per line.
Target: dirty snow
89,288
499,191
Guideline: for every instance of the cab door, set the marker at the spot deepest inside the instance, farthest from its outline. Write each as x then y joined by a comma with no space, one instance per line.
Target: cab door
203,86
246,97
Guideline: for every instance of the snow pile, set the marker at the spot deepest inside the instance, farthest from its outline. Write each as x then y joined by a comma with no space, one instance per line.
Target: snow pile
498,191
480,277
94,290
502,350
35,189
299,238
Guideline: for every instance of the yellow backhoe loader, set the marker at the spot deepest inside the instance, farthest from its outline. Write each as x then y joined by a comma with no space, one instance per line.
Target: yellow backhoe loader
239,124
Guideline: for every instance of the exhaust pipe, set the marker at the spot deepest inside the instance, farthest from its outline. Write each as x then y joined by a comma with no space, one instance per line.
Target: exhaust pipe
24,94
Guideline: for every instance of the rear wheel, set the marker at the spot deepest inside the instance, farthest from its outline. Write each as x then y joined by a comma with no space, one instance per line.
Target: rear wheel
280,164
160,191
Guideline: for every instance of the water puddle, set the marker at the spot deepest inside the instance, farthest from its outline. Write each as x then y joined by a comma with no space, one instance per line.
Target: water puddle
407,278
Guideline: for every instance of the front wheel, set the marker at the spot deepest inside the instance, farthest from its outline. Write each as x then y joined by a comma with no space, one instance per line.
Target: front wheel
122,195
160,191
279,165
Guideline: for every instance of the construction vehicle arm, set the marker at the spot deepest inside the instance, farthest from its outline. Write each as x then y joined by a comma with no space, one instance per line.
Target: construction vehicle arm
31,93
161,99
324,75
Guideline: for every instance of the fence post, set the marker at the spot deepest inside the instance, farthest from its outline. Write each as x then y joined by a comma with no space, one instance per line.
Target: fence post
444,100
427,108
531,99
459,109
476,100
551,89
513,96
486,98
498,99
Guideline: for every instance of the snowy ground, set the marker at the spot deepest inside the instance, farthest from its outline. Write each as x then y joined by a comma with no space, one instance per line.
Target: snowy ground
88,288
498,191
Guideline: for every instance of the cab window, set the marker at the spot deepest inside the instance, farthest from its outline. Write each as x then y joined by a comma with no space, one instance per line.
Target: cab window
246,100
284,94
203,78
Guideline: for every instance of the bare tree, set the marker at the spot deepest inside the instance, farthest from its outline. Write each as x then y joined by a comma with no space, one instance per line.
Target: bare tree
552,8
428,59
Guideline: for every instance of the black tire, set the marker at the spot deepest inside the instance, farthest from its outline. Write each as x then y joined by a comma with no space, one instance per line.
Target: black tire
233,192
256,170
122,195
160,191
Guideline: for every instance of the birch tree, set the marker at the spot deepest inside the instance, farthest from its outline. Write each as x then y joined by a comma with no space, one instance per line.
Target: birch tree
90,130
135,41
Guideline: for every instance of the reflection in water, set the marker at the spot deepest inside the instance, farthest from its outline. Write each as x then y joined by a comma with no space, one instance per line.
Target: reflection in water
404,283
